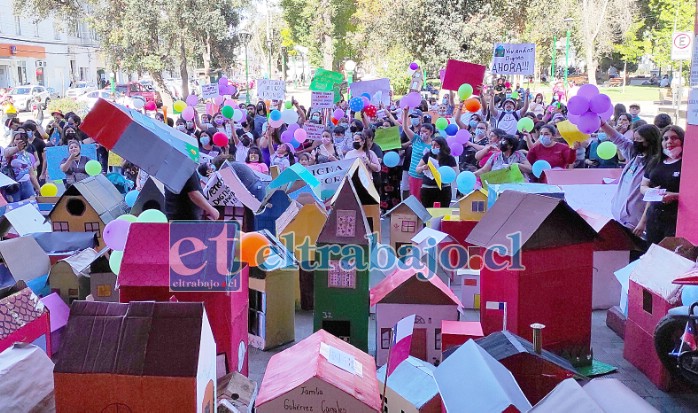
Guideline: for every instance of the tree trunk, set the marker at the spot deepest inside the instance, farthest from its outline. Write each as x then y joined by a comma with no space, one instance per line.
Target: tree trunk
183,72
207,58
167,98
591,63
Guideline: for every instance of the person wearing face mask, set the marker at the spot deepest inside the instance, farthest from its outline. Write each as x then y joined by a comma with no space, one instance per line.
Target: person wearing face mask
206,145
593,160
327,151
315,118
420,145
180,125
538,106
508,118
23,164
491,148
260,117
360,151
281,158
243,139
340,140
507,156
74,165
627,205
558,155
440,155
69,134
664,173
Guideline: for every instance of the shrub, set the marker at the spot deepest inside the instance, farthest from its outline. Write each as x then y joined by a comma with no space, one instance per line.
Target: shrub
66,105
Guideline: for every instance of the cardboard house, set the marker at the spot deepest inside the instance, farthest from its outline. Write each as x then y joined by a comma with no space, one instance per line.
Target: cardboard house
341,286
293,178
494,191
102,280
175,366
471,380
58,312
430,245
466,286
24,318
236,394
456,333
411,388
366,191
473,205
651,295
61,245
64,277
145,275
536,374
26,379
321,372
272,298
538,248
601,395
23,221
23,259
617,316
413,290
406,219
276,209
152,196
88,206
612,251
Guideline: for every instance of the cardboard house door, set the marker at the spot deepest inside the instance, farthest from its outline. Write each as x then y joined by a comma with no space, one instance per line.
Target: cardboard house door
419,343
307,289
339,329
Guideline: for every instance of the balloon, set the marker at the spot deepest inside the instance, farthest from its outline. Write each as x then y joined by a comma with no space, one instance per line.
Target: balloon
462,136
456,148
152,216
414,66
115,234
606,150
288,104
689,294
539,166
589,123
253,248
192,100
227,112
229,102
223,81
441,124
289,116
127,217
275,115
366,100
588,91
150,105
514,95
188,113
465,91
466,181
451,129
442,75
218,100
49,189
600,103
472,105
294,143
356,104
115,258
338,114
138,103
179,106
415,99
287,136
607,115
370,110
93,168
220,139
366,95
300,135
276,123
578,105
448,175
238,115
391,159
525,124
292,127
573,118
131,197
232,90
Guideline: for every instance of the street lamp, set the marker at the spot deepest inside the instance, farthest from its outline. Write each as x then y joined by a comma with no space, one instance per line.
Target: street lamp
269,50
568,23
350,66
245,38
283,62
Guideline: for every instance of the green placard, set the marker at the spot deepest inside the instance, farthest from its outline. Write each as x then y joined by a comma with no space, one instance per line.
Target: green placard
509,175
388,138
324,80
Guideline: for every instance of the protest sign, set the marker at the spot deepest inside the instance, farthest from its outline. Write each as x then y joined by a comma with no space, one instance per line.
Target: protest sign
458,73
570,133
388,138
209,91
269,89
330,174
56,154
224,188
322,100
513,59
372,87
512,174
314,130
324,80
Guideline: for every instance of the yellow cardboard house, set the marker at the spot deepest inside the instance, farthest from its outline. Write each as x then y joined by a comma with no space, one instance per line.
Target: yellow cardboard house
473,206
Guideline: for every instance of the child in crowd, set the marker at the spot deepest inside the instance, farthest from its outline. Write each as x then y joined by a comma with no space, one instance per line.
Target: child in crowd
255,162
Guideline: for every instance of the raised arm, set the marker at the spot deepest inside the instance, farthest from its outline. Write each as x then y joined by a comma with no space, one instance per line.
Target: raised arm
524,108
493,108
406,124
624,144
301,115
456,116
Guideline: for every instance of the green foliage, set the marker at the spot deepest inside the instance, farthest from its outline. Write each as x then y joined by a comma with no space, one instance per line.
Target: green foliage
658,25
66,105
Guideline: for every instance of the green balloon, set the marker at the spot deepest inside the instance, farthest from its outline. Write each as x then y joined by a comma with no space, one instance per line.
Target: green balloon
525,124
441,124
153,216
93,168
115,259
606,150
127,217
465,91
228,112
289,104
514,95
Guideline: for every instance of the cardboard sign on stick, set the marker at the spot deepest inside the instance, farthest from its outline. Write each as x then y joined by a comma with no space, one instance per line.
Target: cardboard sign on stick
388,138
322,100
269,89
514,59
372,87
56,154
458,73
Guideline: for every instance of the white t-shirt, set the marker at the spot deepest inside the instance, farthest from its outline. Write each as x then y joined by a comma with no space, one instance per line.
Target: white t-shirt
241,152
507,121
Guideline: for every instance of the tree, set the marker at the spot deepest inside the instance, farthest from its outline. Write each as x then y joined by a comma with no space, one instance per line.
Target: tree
634,45
659,17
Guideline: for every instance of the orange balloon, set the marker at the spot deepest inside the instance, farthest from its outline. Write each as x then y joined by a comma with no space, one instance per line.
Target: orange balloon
472,105
252,248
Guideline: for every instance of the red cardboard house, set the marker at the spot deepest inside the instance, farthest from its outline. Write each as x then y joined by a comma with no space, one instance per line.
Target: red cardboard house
456,333
540,267
24,318
137,357
145,275
320,373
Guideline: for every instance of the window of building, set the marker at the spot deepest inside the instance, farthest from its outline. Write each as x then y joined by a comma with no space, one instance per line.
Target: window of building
408,226
339,277
346,223
437,339
257,313
386,336
18,26
92,227
60,226
478,206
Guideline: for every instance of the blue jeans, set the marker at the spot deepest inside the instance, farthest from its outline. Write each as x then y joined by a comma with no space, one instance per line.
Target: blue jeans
26,191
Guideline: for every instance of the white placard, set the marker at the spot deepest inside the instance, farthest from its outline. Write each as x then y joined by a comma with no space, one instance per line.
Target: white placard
654,195
322,100
314,130
271,89
513,59
692,107
209,91
343,360
681,43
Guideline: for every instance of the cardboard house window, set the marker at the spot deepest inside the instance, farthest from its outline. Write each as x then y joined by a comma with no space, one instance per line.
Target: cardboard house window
478,206
408,226
437,339
92,227
104,290
75,206
346,223
647,301
339,277
59,226
256,315
386,336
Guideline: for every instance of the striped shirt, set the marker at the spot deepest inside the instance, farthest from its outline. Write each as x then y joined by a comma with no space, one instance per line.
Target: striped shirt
418,150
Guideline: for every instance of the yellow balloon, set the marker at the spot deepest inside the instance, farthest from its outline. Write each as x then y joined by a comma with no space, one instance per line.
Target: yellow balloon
49,189
179,106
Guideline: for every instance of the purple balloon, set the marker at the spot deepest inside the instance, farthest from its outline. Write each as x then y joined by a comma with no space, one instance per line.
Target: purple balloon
442,75
286,137
462,136
414,66
115,234
338,114
366,101
192,100
223,81
589,123
578,105
233,90
588,91
292,128
607,115
413,99
456,149
600,103
573,118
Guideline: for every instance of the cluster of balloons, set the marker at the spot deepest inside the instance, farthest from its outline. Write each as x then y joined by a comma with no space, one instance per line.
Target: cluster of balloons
115,234
224,88
588,108
186,107
539,167
457,141
294,135
465,93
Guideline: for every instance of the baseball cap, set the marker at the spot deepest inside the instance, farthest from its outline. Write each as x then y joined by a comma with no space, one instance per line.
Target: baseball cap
513,102
415,113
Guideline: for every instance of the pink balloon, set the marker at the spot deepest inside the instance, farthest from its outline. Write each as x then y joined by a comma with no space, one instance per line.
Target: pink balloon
588,91
150,105
188,113
456,149
301,135
220,139
366,101
338,114
286,137
218,100
192,100
462,136
600,103
589,123
210,109
578,105
229,102
442,75
115,234
275,123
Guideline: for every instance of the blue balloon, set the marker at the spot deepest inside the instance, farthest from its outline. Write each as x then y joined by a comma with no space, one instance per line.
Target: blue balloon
451,129
689,294
275,115
131,197
366,95
539,166
356,104
391,159
294,143
466,181
448,175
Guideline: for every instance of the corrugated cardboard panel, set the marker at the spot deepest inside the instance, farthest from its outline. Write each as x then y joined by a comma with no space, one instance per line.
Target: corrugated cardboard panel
103,196
24,258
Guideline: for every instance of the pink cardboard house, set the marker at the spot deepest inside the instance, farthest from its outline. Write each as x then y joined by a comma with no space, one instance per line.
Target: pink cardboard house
320,374
415,290
58,316
24,318
145,276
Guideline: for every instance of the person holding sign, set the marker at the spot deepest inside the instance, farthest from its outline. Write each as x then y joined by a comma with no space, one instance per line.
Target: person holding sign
509,117
507,156
362,152
74,165
420,145
440,155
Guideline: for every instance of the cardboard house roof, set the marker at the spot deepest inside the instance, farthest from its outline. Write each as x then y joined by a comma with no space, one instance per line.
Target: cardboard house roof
413,379
504,344
345,199
681,246
613,236
140,338
658,268
279,256
579,176
601,395
24,258
480,190
305,360
306,194
419,276
26,378
415,206
236,393
58,311
542,222
19,310
465,328
231,175
153,192
80,261
294,173
365,190
24,220
65,242
471,380
101,194
146,256
426,233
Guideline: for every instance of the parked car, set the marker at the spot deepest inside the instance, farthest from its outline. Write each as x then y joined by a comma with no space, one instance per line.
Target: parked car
91,97
53,93
80,88
23,96
136,89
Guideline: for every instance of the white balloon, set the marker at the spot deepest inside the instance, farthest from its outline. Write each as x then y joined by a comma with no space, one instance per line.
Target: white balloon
289,116
237,115
138,103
